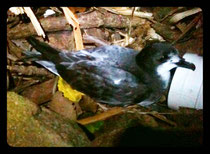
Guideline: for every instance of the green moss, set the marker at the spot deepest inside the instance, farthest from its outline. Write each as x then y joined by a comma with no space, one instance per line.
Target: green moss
95,126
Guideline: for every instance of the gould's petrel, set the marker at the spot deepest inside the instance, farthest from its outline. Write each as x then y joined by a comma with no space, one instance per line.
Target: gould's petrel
113,74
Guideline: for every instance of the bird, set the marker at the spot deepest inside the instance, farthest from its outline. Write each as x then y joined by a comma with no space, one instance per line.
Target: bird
111,74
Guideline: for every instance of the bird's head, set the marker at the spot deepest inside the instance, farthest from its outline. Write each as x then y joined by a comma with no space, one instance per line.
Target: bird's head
161,57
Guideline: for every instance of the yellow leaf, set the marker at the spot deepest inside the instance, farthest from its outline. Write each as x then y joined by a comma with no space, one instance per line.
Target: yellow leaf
72,94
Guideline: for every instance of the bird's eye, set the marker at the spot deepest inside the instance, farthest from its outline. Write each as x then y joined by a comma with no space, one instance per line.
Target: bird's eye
162,58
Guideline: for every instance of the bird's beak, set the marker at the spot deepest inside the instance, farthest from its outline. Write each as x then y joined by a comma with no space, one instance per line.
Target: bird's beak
185,64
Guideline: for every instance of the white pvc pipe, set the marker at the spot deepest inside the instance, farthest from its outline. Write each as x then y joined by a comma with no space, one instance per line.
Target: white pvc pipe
186,88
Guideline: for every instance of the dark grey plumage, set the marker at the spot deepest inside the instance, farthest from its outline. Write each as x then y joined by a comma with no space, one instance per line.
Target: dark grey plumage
112,74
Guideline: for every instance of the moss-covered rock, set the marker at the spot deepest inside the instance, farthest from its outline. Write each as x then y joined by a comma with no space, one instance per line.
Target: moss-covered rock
30,126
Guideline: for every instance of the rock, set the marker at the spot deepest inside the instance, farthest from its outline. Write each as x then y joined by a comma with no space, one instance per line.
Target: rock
28,126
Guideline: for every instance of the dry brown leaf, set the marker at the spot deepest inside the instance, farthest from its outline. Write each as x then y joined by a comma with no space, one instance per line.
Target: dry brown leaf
40,93
179,16
77,9
63,106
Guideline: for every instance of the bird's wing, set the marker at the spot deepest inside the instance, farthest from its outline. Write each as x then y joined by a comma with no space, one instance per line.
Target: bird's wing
103,82
115,56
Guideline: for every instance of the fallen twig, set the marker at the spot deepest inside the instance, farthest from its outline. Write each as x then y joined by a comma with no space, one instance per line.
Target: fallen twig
96,41
126,11
30,70
72,20
102,116
89,20
162,118
124,42
34,21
